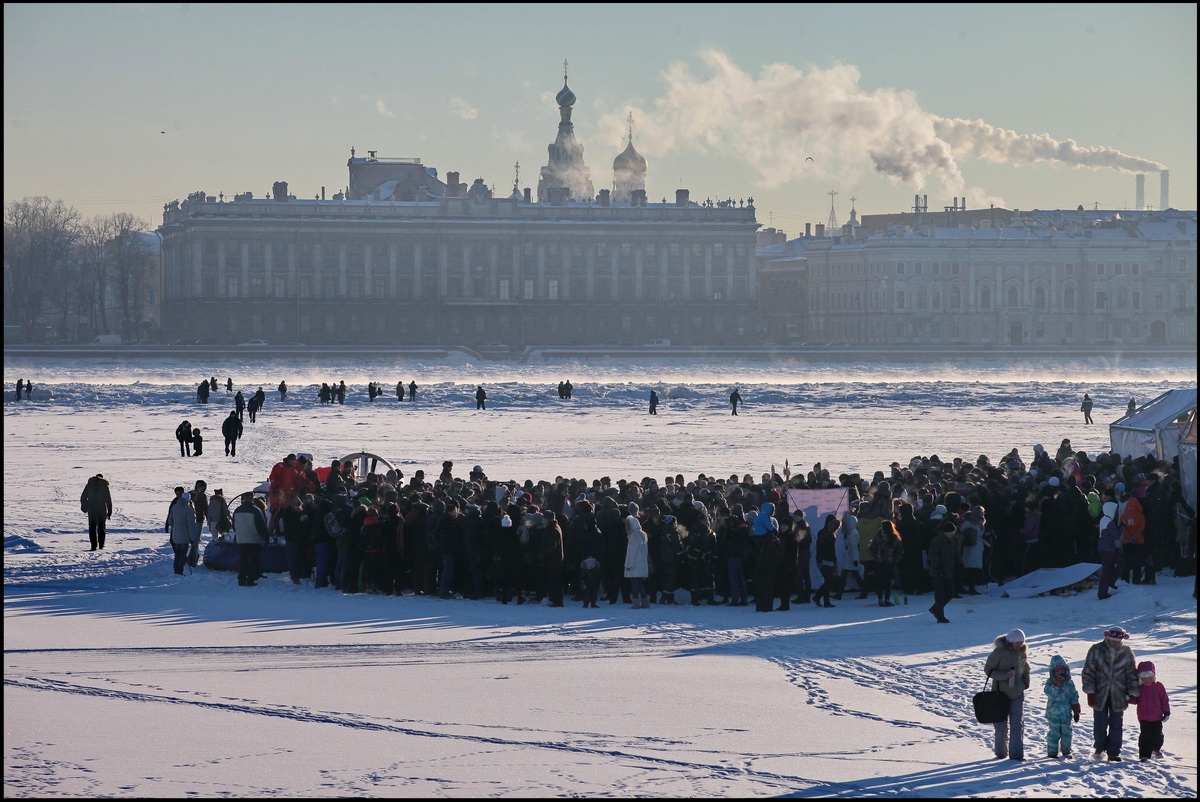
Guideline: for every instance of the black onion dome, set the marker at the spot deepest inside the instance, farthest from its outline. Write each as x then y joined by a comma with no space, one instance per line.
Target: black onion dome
565,96
630,159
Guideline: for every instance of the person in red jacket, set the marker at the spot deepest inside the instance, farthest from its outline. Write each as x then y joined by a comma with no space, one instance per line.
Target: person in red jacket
1133,538
1153,710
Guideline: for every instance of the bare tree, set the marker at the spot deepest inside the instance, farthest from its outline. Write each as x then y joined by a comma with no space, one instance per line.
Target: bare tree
131,266
97,267
39,237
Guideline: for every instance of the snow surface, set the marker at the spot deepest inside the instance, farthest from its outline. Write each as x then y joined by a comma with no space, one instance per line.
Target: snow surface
124,680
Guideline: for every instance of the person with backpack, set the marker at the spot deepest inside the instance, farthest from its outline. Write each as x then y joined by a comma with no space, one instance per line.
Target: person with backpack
1112,560
183,433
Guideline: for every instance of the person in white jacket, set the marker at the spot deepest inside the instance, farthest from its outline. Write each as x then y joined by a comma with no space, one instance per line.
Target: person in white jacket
184,529
637,558
848,555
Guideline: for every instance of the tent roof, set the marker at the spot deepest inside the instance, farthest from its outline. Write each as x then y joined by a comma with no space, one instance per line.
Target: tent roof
1162,411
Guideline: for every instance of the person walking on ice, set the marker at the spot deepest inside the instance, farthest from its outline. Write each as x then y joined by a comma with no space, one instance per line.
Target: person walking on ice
480,398
735,398
1086,408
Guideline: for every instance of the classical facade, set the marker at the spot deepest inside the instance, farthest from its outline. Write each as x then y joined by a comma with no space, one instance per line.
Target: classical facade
404,258
1038,279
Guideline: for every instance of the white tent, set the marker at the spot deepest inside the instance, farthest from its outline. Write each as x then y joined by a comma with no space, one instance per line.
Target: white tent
1187,460
1155,427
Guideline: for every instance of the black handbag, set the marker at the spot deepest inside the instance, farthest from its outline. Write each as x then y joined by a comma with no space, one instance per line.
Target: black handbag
991,707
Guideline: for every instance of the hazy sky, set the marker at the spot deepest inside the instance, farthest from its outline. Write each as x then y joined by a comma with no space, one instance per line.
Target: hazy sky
125,107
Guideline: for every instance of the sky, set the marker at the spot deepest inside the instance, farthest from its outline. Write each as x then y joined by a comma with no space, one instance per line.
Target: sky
125,107
122,680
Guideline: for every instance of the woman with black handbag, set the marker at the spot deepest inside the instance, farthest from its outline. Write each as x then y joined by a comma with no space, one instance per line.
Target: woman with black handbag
1008,668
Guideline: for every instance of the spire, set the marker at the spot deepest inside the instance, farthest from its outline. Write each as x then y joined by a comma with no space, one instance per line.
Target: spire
630,132
832,214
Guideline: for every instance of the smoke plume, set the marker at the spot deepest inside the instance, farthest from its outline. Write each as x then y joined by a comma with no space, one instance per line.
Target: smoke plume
785,115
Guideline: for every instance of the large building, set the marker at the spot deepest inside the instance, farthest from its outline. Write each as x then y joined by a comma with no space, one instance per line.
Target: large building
1012,279
403,258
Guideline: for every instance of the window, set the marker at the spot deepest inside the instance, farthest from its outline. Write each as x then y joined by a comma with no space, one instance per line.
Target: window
231,286
329,286
1039,298
306,286
1069,298
528,289
504,289
917,268
378,286
900,300
697,249
899,268
954,269
626,249
552,289
985,298
1101,301
1158,299
937,300
922,298
1012,297
651,249
1136,300
719,250
280,289
955,298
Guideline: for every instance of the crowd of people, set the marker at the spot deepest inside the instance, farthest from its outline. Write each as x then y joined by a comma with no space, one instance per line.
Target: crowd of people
929,527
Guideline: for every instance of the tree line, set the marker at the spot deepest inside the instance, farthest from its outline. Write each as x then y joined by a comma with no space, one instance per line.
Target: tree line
65,273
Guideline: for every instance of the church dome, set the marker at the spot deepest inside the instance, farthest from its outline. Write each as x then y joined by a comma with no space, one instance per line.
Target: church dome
630,159
565,96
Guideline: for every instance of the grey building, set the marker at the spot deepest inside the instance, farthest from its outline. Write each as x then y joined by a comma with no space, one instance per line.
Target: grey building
403,258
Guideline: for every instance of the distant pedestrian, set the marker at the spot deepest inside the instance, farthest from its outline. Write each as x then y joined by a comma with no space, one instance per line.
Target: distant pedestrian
97,503
197,442
229,384
735,398
341,392
282,391
184,528
562,390
400,390
412,391
29,391
943,556
1086,408
212,384
569,389
202,391
480,398
239,403
183,433
20,387
252,408
250,524
1131,407
231,430
653,402
261,397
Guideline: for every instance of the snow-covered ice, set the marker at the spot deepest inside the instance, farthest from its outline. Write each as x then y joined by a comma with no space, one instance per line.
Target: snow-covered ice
124,680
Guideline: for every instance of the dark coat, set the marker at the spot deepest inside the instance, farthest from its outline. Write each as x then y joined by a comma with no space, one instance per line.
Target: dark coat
96,500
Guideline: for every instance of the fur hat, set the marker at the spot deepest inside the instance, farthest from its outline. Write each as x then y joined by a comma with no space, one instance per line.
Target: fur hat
1016,636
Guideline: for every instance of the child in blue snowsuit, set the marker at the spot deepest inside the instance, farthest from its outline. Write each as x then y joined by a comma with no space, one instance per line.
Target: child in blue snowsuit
1062,706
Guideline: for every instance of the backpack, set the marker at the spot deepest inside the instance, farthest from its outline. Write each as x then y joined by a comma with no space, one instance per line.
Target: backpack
332,525
1110,537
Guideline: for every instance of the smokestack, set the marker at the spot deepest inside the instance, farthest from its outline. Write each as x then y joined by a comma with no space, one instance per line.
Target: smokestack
1140,197
681,197
1164,196
808,229
820,229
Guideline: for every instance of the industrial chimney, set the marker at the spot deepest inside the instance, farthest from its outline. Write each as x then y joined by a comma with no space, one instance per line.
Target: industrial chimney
1140,198
1164,195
